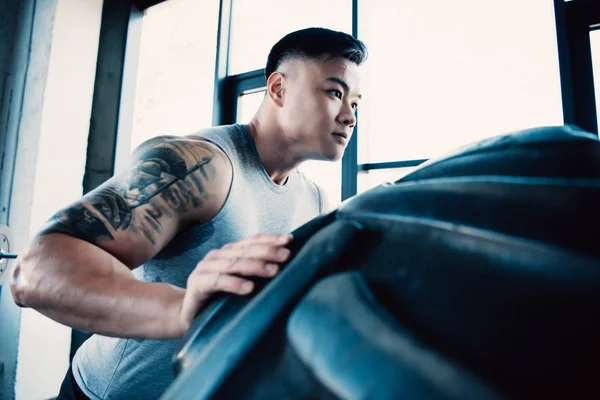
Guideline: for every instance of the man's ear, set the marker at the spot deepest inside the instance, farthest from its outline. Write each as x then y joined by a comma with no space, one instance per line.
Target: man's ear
275,87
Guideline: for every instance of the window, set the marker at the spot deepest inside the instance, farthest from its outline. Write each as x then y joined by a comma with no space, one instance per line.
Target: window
595,45
328,175
176,73
444,76
248,103
256,25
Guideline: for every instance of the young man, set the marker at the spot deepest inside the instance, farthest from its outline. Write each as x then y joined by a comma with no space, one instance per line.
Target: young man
136,259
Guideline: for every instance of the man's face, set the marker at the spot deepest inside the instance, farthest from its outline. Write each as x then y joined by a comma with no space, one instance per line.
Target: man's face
319,106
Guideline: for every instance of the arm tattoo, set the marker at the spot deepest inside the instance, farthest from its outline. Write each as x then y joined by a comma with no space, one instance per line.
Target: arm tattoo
159,172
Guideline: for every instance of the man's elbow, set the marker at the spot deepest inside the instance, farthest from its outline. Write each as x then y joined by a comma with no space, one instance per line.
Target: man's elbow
17,285
24,279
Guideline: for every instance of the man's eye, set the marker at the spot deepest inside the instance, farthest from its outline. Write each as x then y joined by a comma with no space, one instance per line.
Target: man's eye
336,93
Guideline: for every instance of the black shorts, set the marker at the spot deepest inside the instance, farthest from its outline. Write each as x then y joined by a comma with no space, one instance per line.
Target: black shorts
69,390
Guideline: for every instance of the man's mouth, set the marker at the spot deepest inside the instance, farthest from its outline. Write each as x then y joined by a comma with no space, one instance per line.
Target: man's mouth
342,134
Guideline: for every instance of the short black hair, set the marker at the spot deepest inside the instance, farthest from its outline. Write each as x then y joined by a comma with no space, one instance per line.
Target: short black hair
315,43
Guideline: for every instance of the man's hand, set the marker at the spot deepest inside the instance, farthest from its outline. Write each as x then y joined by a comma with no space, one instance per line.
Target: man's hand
223,270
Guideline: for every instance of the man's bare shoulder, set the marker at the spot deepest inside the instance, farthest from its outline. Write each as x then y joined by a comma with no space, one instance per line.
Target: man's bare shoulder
169,160
190,147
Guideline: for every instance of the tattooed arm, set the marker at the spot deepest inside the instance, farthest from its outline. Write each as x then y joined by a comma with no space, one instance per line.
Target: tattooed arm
171,183
78,269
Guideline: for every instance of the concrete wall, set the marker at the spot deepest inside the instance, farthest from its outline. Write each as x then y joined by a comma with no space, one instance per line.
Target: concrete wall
8,17
9,11
53,68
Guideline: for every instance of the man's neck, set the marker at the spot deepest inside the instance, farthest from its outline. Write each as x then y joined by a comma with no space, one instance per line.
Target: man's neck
273,150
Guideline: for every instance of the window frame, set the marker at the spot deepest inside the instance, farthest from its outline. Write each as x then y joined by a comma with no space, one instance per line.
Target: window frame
574,21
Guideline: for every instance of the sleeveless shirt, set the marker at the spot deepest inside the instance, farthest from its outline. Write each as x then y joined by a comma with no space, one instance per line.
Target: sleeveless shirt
115,368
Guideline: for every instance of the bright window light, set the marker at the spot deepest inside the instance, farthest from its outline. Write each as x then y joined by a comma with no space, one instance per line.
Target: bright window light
174,93
256,25
248,104
444,75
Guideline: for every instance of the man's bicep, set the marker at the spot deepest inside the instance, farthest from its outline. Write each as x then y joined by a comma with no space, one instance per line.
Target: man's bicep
95,218
134,215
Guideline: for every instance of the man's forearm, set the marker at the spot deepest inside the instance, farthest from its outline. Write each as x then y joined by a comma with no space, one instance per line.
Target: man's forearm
90,290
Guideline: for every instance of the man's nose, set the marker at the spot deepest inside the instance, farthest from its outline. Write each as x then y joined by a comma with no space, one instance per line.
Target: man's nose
347,116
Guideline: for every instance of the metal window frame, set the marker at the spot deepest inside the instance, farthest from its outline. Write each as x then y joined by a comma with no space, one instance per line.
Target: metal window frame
118,36
350,158
120,33
104,120
231,88
222,100
144,4
573,26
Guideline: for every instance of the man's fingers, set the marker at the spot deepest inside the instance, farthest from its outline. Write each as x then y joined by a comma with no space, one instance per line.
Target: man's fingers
262,252
276,240
200,287
239,266
257,255
263,242
206,284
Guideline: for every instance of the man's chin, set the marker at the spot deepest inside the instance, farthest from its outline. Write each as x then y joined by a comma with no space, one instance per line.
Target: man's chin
333,156
338,156
329,154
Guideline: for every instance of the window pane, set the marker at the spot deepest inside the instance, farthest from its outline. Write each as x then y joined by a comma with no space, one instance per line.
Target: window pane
256,25
444,76
370,179
175,83
248,103
328,175
595,44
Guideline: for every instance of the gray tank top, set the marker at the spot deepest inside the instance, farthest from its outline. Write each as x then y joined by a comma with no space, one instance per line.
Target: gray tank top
113,368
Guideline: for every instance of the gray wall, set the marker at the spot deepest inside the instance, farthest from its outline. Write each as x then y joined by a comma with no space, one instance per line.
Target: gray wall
9,24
